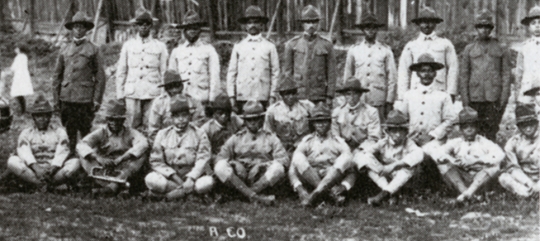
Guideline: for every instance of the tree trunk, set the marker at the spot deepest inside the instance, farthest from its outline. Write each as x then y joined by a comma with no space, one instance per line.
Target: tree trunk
2,16
403,14
31,17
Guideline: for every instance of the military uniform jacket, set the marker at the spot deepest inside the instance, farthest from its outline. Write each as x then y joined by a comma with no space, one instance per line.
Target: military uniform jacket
50,146
527,71
375,67
198,64
289,123
79,75
357,124
322,152
484,72
313,66
252,149
442,51
253,70
181,153
104,143
140,69
524,153
218,134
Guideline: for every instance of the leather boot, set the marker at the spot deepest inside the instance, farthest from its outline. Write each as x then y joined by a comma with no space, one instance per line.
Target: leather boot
260,185
379,198
175,194
453,178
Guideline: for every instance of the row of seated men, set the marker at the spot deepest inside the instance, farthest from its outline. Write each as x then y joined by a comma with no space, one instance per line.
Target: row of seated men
319,150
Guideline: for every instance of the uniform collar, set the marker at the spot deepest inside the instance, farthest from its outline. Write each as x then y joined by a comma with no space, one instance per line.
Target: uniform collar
357,107
109,133
425,89
79,41
364,42
432,36
50,127
196,44
256,38
307,38
145,40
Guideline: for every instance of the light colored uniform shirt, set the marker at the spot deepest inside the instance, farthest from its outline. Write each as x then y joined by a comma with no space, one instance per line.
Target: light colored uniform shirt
104,143
141,66
198,64
442,51
358,124
251,149
375,67
50,146
473,156
184,153
430,112
253,69
527,71
524,153
322,153
289,123
388,152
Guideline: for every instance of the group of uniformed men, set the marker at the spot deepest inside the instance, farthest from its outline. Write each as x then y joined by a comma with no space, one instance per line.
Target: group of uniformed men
276,123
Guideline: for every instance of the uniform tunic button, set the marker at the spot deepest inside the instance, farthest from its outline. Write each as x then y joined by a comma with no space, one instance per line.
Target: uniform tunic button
423,102
368,65
189,63
368,74
421,113
421,123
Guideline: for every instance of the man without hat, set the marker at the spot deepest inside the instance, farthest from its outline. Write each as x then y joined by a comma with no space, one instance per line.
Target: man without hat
114,148
484,81
470,161
42,151
197,62
253,159
523,155
180,154
288,118
141,66
441,49
320,161
160,112
527,71
394,158
310,60
254,66
373,64
79,80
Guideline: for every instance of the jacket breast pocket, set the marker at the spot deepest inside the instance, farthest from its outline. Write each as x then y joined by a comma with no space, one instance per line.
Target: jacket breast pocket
299,57
134,58
200,64
152,57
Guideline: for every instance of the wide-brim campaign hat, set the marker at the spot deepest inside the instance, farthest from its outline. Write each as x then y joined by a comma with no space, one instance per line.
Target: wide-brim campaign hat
287,84
41,105
369,20
253,12
426,59
532,92
534,13
525,113
115,109
253,109
221,102
427,14
143,15
320,112
396,119
352,83
485,18
171,77
179,104
468,115
192,18
310,13
80,18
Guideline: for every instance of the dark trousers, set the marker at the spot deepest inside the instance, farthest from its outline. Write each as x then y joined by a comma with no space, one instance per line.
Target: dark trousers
489,116
76,117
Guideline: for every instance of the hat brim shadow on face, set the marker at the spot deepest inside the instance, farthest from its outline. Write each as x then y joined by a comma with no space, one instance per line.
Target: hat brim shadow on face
362,26
309,20
87,25
436,66
107,116
40,111
244,20
417,21
396,126
197,24
527,20
362,90
525,119
320,118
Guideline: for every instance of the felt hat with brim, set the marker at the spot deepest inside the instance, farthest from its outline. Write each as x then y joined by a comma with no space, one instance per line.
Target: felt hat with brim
468,115
287,84
80,18
192,18
534,13
221,102
427,14
426,59
179,104
525,113
352,83
485,18
171,77
115,109
310,13
41,105
320,112
143,16
396,119
253,109
532,92
253,12
369,20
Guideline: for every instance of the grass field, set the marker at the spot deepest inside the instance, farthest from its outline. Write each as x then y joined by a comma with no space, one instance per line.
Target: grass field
46,216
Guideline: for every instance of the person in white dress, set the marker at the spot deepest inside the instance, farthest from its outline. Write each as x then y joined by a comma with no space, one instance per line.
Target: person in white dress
21,85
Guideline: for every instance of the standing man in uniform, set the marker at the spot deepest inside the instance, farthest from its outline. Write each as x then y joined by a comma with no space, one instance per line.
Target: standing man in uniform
254,66
373,64
142,62
310,59
485,77
442,51
196,61
79,80
527,71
